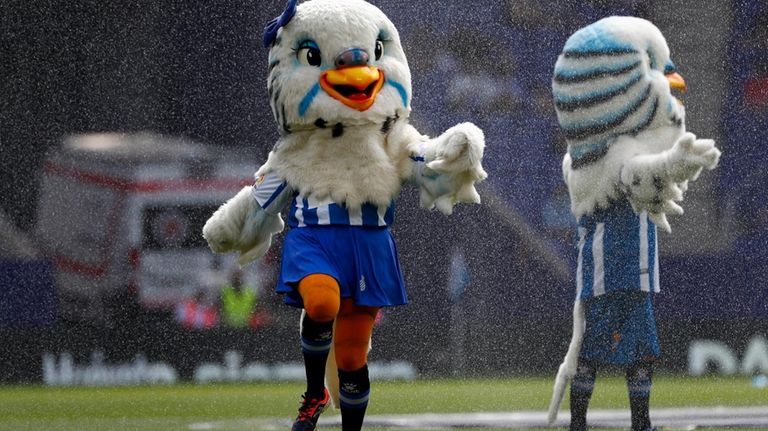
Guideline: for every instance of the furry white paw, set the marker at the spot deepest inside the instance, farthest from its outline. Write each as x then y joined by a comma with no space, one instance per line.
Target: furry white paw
453,167
458,149
657,197
689,156
223,229
240,225
656,182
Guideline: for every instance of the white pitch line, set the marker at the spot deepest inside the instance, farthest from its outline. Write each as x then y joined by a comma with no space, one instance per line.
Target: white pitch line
677,418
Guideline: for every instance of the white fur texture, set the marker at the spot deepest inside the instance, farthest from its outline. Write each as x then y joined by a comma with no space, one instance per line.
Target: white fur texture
240,225
655,182
354,168
597,184
453,166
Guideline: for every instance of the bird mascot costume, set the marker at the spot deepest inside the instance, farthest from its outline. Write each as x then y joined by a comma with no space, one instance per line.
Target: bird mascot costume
628,163
340,90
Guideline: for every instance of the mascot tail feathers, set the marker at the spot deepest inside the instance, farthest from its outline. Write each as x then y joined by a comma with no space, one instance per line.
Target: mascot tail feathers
332,378
568,368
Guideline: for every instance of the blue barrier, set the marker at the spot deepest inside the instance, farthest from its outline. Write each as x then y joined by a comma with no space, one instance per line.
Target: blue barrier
27,294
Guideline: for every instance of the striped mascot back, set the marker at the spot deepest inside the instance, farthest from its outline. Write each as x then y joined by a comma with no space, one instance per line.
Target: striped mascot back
610,81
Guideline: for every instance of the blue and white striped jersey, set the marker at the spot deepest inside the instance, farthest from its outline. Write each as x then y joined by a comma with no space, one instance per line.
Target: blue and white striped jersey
270,193
617,250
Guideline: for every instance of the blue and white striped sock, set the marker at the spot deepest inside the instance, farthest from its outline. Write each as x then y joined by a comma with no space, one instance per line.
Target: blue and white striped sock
315,345
354,391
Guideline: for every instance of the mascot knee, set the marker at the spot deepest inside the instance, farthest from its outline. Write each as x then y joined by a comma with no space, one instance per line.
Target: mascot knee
351,355
321,297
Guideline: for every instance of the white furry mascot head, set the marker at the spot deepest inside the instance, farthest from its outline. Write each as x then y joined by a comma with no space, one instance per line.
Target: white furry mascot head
329,67
612,92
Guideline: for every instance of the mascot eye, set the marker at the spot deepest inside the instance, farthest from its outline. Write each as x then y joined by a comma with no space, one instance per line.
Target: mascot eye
309,55
379,49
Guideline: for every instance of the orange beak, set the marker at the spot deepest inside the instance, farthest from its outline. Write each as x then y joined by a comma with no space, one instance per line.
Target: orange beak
355,87
676,82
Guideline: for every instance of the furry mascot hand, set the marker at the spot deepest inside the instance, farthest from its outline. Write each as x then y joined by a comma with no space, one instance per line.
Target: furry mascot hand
452,167
240,225
654,182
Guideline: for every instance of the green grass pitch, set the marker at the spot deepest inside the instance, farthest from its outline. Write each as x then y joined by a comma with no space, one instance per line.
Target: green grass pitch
237,407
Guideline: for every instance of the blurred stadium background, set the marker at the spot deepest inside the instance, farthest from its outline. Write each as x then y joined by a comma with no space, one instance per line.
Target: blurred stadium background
490,288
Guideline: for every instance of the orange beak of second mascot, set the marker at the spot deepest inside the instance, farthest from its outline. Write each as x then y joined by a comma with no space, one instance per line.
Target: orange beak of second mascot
353,82
676,82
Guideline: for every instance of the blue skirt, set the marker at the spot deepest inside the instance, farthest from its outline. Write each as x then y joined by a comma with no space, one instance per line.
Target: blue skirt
620,328
363,260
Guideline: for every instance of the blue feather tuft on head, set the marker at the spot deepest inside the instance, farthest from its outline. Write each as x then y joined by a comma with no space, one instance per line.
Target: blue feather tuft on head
270,31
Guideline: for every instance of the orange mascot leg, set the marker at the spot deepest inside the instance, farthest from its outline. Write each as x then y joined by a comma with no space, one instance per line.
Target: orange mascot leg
320,294
354,327
321,297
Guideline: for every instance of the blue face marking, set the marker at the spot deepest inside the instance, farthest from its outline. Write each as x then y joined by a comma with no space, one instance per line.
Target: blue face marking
400,89
306,43
308,99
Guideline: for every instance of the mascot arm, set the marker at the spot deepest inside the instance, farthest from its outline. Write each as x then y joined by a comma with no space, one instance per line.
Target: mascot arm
655,182
446,168
247,222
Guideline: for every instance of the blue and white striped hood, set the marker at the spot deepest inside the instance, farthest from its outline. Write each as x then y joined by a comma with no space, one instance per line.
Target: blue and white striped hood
610,81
